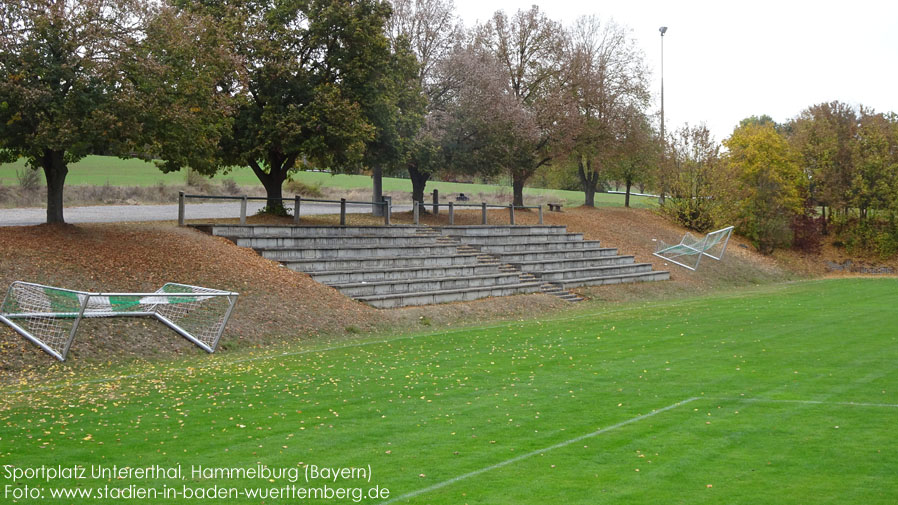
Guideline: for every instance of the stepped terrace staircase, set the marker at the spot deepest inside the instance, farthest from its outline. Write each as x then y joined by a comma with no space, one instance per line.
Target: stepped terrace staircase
400,266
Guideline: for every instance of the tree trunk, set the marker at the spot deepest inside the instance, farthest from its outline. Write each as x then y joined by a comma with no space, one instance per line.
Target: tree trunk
419,182
378,191
589,180
824,230
627,196
55,171
517,186
273,182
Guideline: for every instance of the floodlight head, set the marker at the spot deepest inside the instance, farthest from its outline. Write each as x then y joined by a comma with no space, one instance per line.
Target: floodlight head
662,30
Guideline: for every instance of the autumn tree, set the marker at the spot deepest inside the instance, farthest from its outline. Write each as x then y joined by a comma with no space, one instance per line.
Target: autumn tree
431,31
529,48
85,76
607,86
770,184
698,191
823,135
637,152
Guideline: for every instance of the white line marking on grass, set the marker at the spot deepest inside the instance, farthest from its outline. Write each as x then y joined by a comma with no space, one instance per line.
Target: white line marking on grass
812,402
534,453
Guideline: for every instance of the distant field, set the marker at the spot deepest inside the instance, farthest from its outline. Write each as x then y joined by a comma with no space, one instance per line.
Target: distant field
785,394
101,170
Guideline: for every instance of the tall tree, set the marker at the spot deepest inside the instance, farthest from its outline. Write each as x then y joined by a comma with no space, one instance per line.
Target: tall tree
823,135
771,185
76,78
431,30
637,152
698,191
608,84
529,48
874,186
312,83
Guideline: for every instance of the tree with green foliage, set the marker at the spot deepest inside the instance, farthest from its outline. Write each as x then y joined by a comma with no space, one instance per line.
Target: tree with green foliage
637,153
770,184
698,190
824,135
86,76
311,85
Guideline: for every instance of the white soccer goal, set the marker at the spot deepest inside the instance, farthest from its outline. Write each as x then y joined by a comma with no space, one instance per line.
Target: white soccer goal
49,316
688,253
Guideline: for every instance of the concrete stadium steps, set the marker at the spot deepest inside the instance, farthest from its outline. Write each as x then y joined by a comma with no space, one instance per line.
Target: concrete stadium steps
575,263
358,289
540,255
356,251
592,272
446,296
246,231
332,277
480,240
400,266
343,264
500,230
615,279
336,241
541,245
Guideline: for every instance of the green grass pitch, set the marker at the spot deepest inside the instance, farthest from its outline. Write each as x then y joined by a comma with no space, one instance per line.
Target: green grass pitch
781,394
100,170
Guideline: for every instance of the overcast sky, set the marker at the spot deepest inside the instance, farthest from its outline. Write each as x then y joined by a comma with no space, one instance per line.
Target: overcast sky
724,60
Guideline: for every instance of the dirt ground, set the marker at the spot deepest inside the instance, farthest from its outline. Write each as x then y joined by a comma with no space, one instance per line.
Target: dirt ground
280,307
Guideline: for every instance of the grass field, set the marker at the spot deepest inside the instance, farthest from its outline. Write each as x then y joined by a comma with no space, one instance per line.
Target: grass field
101,170
781,394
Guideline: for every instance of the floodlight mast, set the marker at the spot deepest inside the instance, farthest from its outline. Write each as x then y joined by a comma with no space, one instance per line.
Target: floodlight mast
663,30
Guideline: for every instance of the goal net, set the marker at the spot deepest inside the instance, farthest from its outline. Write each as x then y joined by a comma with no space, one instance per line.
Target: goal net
689,252
49,316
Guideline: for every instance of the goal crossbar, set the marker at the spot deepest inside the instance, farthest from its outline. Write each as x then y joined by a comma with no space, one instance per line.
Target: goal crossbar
691,248
49,316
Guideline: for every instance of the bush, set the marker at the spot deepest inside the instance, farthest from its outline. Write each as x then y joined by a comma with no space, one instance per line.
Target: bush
303,189
230,186
29,180
693,213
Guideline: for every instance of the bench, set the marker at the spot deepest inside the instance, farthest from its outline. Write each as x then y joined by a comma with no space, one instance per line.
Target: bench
554,207
49,316
712,245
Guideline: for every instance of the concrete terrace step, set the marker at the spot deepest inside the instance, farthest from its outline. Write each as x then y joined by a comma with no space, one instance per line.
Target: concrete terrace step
333,241
585,253
517,239
359,289
547,245
563,264
496,230
661,275
364,251
446,296
311,266
594,272
306,231
402,273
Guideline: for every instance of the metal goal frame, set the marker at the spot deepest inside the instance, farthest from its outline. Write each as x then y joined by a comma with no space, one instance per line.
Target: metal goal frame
49,316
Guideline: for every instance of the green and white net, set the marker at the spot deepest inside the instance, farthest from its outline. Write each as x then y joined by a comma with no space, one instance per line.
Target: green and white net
49,316
689,252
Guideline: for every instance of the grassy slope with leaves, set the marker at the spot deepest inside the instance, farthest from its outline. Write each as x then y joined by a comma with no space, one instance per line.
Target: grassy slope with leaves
427,408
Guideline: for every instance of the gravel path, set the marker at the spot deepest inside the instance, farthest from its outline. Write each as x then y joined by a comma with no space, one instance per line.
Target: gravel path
128,213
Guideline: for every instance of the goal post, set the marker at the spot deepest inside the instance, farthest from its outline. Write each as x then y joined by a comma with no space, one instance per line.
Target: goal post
689,252
49,316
